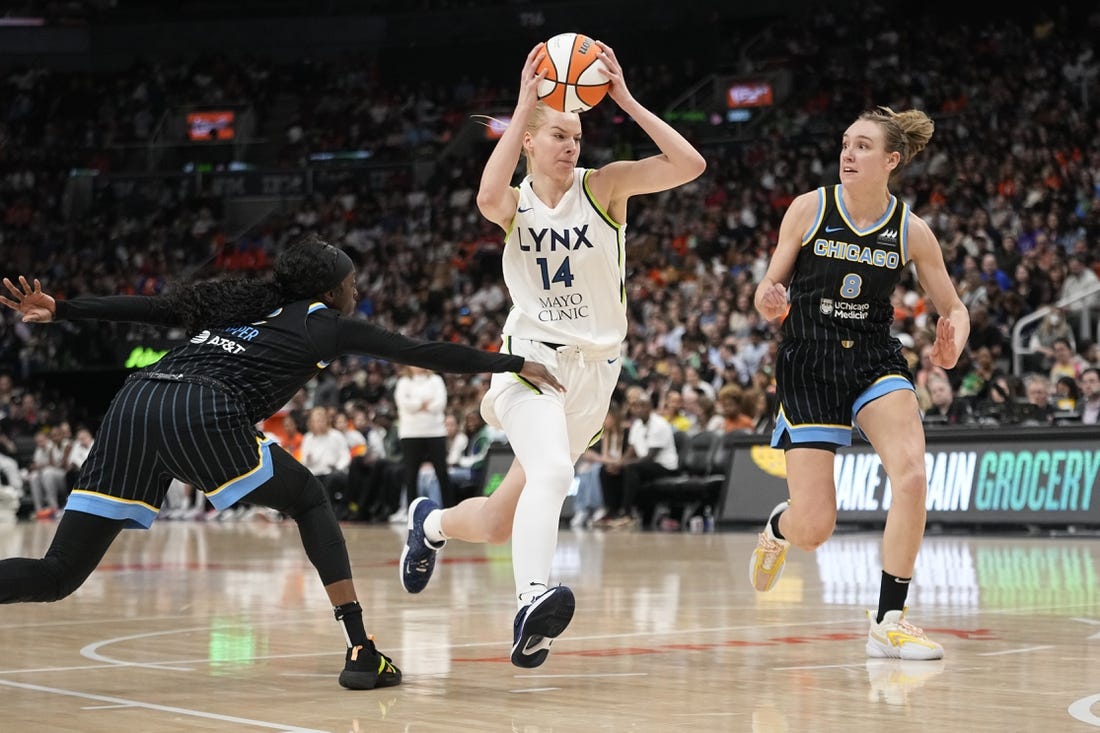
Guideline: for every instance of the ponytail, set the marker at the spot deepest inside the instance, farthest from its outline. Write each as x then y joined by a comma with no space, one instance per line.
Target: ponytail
308,268
220,303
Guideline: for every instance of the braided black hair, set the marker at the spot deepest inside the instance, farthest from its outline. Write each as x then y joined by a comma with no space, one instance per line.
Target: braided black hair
302,271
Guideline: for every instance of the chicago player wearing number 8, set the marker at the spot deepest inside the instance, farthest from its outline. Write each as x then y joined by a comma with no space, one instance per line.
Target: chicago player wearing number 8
564,265
842,250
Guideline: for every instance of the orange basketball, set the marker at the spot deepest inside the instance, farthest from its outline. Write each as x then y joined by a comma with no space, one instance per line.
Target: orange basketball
576,79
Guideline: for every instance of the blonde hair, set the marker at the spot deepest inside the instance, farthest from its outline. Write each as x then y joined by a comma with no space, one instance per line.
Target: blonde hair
905,133
536,120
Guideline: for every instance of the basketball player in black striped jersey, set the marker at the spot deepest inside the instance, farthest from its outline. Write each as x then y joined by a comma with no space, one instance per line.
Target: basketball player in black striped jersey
192,415
841,251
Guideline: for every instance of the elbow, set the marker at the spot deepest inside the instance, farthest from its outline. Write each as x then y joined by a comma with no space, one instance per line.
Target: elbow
698,165
486,202
692,166
482,201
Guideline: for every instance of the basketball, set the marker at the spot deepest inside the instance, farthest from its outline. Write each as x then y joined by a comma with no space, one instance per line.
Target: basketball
575,78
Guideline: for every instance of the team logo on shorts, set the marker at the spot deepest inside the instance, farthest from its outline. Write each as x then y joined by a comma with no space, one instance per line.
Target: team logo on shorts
826,306
200,337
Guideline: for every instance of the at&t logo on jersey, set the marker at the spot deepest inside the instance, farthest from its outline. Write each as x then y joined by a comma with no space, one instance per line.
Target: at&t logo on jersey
228,345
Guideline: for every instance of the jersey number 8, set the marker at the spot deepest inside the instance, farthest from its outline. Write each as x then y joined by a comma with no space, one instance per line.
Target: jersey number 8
850,287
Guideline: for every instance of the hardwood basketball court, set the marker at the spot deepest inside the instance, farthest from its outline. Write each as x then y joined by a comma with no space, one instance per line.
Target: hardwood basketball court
217,626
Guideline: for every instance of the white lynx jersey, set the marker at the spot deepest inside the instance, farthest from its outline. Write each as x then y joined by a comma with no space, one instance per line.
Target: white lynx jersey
565,268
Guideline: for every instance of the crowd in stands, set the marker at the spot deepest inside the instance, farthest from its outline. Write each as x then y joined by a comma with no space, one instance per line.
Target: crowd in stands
1011,188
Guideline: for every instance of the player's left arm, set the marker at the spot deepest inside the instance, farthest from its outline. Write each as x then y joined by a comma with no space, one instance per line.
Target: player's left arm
953,327
335,335
676,164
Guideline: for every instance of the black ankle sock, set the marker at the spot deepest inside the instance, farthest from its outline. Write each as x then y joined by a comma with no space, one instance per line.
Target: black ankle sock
892,594
774,523
350,616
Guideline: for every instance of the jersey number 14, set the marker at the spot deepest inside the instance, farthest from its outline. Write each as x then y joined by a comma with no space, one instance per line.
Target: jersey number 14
561,275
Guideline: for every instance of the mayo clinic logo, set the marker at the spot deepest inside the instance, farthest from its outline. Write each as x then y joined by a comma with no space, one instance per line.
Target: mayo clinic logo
826,306
200,337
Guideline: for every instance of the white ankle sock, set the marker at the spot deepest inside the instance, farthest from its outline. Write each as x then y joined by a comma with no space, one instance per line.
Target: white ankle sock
433,526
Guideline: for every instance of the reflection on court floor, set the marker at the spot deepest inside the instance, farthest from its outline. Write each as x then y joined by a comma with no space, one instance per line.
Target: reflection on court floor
225,627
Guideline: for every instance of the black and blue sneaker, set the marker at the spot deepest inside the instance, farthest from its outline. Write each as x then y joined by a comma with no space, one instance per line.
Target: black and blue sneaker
539,623
418,556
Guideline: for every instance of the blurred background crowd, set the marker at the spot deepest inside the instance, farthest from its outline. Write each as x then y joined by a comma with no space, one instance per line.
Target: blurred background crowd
101,192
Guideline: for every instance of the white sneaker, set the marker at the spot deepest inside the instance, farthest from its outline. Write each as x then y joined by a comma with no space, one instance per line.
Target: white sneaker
769,557
401,516
896,638
578,520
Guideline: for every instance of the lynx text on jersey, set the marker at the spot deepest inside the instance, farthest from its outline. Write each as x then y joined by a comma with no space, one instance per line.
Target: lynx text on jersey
551,240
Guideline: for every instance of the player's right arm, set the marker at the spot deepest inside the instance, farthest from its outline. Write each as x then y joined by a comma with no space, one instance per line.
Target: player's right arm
38,306
771,293
496,198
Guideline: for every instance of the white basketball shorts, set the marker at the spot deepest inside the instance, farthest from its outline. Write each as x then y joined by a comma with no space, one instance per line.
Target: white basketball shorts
588,373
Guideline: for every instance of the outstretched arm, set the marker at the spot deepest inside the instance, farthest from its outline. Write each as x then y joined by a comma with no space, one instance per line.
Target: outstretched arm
38,306
337,335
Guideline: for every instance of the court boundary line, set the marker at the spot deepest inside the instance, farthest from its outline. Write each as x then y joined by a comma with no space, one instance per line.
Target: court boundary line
122,702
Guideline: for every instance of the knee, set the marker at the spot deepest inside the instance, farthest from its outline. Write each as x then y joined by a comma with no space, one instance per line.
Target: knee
62,580
558,475
312,496
67,585
909,486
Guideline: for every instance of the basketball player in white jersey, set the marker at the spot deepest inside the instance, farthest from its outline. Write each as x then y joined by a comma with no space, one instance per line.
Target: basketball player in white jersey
564,265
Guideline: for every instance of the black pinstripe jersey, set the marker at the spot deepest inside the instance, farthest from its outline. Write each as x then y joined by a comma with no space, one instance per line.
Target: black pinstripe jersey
263,364
844,276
